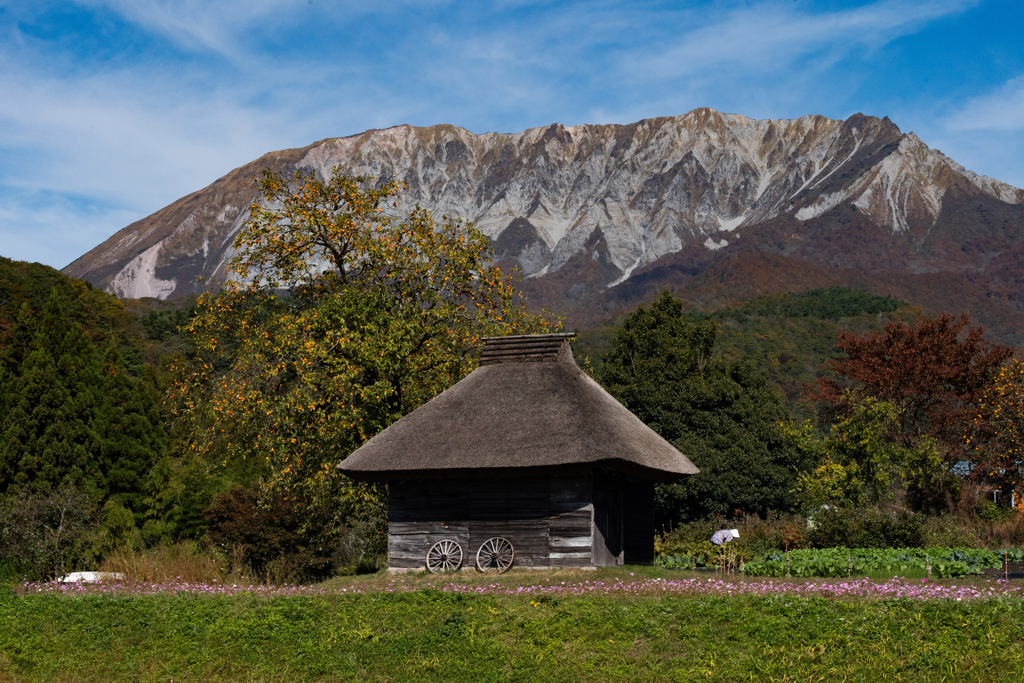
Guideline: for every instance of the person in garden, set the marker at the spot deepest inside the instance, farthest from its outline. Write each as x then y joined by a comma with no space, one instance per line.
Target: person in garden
723,536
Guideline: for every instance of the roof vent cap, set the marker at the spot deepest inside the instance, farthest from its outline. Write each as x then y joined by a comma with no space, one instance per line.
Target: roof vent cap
525,348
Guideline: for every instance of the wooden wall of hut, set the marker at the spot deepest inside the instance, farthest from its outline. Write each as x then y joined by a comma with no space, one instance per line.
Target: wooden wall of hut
549,519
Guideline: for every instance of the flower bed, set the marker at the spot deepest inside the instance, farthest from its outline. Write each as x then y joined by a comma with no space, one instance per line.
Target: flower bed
924,589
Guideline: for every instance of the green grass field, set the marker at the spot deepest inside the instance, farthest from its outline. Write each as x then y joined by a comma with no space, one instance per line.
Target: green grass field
428,634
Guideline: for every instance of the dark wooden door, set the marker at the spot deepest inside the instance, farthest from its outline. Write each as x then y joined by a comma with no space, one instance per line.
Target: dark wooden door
608,527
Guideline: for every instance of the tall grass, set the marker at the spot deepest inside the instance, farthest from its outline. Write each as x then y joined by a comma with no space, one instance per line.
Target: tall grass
1000,532
185,561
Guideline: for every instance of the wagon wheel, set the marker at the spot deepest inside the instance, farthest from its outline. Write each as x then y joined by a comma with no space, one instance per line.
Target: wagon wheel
495,553
444,556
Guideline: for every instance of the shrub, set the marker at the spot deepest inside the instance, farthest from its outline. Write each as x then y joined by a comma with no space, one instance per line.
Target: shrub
43,536
858,528
878,529
950,531
276,540
994,512
973,531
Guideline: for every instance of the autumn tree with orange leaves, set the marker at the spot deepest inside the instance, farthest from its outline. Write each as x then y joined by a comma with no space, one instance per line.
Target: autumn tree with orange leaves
342,314
997,440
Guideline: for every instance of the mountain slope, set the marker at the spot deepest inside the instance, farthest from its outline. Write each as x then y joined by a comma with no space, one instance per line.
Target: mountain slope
598,216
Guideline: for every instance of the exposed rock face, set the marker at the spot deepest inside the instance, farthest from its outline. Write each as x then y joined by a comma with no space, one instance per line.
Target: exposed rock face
673,196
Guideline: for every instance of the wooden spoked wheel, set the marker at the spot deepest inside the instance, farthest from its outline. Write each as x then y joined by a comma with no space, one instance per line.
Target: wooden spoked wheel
444,556
495,553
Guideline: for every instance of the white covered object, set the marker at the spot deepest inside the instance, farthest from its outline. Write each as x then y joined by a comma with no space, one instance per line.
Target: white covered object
91,577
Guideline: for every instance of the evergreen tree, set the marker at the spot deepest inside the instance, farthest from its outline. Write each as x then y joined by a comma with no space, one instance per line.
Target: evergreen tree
71,418
724,415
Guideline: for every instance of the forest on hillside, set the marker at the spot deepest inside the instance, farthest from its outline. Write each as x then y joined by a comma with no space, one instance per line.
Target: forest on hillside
210,427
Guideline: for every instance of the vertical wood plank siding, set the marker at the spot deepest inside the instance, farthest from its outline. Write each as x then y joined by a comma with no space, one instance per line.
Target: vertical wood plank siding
550,520
547,519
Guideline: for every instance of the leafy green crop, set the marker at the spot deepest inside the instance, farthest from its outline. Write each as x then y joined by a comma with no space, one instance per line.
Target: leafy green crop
835,562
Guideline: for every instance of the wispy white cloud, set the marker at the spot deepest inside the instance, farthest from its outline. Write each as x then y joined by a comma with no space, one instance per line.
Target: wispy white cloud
770,36
55,229
611,61
219,27
89,139
1001,109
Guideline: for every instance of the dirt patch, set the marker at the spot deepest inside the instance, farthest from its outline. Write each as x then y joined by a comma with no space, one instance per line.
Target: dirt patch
1013,570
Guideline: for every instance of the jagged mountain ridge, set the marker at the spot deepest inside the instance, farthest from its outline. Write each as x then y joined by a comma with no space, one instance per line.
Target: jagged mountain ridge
591,213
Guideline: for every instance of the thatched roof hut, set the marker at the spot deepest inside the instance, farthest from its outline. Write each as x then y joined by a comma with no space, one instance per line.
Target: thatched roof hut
526,447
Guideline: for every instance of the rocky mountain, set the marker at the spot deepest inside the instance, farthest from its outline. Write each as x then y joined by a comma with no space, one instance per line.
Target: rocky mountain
716,207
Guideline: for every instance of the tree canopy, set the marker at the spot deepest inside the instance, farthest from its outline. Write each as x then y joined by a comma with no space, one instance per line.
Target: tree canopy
933,371
827,303
73,414
997,440
861,462
343,314
723,415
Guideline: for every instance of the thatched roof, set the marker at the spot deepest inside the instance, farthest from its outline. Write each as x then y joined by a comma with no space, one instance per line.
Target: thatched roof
528,405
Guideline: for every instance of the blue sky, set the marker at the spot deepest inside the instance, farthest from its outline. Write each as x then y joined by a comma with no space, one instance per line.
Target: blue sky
112,109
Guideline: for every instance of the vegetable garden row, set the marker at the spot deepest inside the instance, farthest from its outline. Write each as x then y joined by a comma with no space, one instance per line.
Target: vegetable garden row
837,562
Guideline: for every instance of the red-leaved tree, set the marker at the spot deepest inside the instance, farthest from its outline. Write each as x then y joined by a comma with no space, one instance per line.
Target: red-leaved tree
934,371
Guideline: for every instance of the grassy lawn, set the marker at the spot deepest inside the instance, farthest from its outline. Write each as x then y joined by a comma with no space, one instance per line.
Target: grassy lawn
380,629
